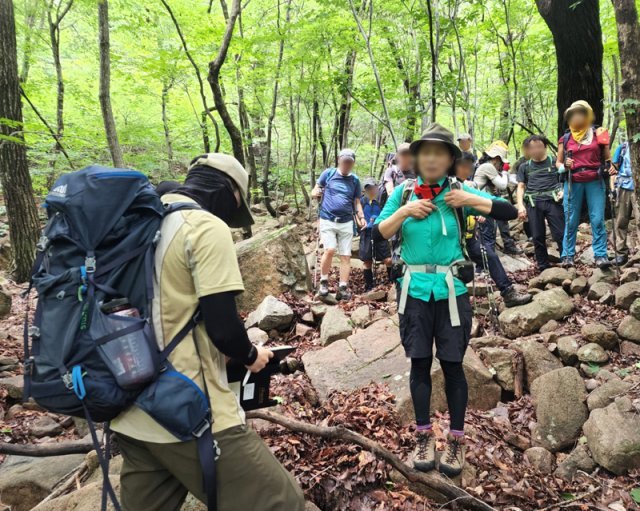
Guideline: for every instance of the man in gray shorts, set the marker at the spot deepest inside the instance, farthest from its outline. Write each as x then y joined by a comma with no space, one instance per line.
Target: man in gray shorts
339,191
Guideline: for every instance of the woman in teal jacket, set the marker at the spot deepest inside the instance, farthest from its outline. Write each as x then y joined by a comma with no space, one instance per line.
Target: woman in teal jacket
433,301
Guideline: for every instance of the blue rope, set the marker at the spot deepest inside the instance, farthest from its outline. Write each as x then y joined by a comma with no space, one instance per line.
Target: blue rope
78,384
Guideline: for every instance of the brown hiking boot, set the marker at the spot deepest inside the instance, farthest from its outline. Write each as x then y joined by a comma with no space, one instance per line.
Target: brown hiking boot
424,455
452,459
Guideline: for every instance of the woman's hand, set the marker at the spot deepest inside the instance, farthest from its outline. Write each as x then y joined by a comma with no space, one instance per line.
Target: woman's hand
418,209
264,355
458,198
568,163
522,212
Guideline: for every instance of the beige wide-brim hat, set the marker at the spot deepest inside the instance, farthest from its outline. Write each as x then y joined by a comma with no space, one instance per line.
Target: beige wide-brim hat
233,168
578,106
497,150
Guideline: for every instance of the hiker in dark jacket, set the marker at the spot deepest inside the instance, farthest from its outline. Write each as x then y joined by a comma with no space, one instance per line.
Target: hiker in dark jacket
371,249
624,196
433,302
196,268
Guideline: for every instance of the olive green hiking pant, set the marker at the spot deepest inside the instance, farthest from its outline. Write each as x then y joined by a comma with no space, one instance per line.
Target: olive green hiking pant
157,477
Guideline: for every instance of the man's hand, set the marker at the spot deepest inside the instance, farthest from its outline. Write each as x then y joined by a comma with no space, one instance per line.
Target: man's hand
317,192
522,212
457,198
418,209
362,223
613,171
264,355
481,219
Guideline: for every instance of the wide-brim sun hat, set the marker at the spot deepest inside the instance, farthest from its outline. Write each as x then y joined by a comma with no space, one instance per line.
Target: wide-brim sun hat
578,106
233,168
437,133
497,150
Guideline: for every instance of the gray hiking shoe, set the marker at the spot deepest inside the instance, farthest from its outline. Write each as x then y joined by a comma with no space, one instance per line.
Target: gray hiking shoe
512,297
323,290
452,459
343,294
424,455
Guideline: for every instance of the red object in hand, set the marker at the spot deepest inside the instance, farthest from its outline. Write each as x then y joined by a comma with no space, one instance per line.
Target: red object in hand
426,191
506,166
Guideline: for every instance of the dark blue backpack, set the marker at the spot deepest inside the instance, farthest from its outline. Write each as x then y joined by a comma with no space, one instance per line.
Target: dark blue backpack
90,350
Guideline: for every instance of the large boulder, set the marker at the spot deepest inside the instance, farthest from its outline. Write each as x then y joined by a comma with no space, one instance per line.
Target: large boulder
607,393
335,326
270,314
25,481
527,319
599,290
375,354
607,275
538,360
626,294
501,363
634,310
592,353
613,436
555,276
559,397
271,263
629,329
600,334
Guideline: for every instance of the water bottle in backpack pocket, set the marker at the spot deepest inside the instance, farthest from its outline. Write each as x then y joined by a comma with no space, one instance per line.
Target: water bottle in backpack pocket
125,342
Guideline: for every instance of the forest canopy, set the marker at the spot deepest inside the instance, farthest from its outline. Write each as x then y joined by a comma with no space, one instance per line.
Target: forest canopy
493,62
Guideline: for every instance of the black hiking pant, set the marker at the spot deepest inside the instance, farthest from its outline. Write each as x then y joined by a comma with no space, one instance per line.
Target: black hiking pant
545,211
489,234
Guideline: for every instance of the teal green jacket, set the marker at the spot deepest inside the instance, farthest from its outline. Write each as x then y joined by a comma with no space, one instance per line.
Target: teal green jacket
423,242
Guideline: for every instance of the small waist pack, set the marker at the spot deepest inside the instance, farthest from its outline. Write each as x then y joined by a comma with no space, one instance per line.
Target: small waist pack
464,270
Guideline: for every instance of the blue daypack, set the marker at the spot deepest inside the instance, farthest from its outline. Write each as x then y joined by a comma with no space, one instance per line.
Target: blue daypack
90,349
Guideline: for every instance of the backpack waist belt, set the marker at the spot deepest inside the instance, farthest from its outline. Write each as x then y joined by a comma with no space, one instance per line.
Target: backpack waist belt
431,268
532,196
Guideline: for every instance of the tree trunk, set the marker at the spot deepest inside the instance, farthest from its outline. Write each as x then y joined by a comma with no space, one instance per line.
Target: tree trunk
629,45
165,123
214,82
577,36
105,85
24,226
345,102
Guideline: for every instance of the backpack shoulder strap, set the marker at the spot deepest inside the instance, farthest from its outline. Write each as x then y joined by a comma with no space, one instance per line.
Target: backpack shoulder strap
407,190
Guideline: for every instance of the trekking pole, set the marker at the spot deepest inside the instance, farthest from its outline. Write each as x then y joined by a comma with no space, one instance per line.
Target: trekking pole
614,216
493,309
374,264
316,266
568,154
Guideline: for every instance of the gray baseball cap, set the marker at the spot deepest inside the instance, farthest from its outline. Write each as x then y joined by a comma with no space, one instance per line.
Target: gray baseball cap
464,136
370,181
347,154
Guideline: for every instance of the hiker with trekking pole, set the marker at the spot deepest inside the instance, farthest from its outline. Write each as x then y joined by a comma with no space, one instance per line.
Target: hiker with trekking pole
372,251
623,201
484,256
433,268
584,160
338,190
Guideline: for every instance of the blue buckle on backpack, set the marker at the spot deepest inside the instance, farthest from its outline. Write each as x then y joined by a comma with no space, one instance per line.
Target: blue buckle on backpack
78,384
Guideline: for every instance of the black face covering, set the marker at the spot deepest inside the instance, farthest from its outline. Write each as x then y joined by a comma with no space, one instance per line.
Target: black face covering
212,190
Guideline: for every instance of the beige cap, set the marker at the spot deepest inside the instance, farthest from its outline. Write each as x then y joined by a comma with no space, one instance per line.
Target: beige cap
405,147
233,168
498,150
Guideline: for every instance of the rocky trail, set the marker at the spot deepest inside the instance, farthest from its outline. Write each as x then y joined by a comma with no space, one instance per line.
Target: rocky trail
554,392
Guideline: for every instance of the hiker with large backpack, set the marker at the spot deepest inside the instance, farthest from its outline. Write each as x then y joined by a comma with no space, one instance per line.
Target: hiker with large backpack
539,185
484,257
623,197
135,316
339,192
428,215
584,158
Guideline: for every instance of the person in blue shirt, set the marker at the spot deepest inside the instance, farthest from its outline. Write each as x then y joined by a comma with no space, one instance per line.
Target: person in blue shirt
371,249
434,304
624,196
339,192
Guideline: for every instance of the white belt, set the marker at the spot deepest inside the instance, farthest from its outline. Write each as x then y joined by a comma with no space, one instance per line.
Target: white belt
431,268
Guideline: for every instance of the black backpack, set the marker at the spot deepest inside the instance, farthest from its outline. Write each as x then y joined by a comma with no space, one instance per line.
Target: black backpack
90,350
